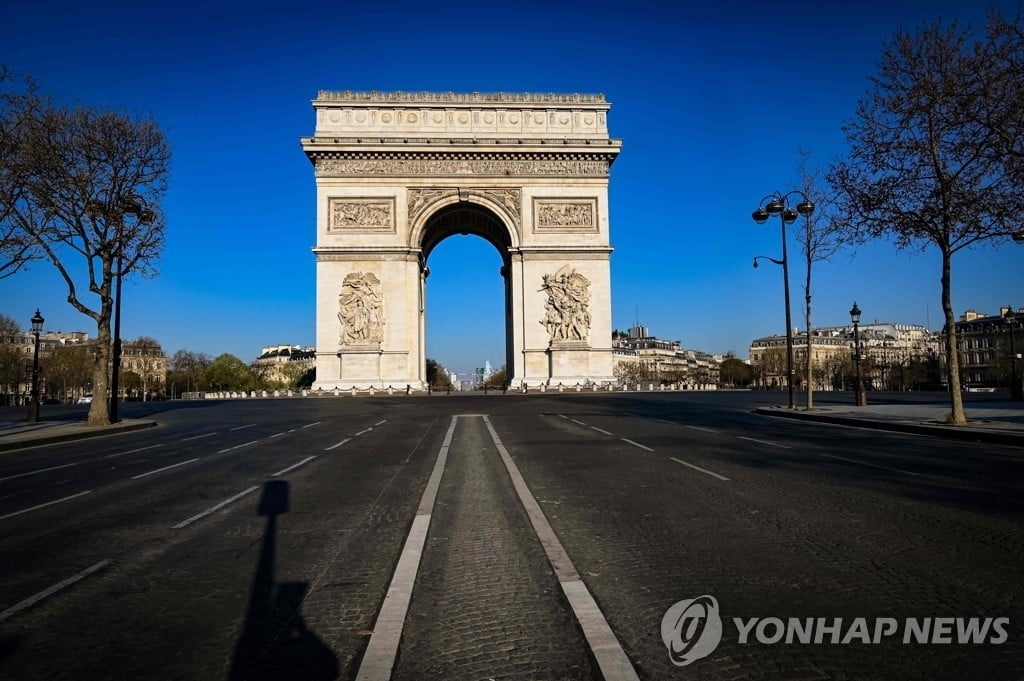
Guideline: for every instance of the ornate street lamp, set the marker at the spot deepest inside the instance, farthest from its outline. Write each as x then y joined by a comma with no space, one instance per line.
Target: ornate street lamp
778,204
33,400
116,209
862,398
1015,384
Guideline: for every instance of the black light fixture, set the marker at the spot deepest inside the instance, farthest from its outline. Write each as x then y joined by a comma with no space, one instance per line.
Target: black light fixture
778,204
33,400
861,396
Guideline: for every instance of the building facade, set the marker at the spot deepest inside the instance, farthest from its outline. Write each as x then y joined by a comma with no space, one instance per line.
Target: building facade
989,347
284,364
641,358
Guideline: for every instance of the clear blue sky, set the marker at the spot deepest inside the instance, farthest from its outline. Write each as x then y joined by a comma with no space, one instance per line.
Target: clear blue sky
712,103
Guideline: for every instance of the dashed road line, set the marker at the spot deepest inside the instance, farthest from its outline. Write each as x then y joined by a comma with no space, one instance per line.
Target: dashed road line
873,465
197,437
579,422
563,416
41,470
380,423
362,431
607,651
637,444
277,435
382,649
132,451
48,503
698,468
293,466
46,593
315,423
600,430
244,427
214,508
764,442
706,430
165,468
335,446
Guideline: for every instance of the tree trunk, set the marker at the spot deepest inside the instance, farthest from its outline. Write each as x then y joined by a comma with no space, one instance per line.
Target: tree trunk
99,410
957,416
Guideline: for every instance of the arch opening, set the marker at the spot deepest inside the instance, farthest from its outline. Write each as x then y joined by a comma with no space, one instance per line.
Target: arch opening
467,303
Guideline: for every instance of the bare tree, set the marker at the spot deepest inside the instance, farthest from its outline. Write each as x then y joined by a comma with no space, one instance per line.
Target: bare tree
20,106
93,180
819,241
920,170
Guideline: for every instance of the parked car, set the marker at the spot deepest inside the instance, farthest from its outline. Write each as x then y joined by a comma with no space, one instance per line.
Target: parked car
85,399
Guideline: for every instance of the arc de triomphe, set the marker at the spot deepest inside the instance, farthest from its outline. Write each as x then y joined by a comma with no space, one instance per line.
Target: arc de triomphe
397,173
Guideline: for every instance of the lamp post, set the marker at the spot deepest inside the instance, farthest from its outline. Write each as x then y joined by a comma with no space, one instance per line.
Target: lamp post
116,209
862,398
33,399
1015,384
778,204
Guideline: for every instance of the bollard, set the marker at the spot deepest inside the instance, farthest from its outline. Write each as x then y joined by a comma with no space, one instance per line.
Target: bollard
408,389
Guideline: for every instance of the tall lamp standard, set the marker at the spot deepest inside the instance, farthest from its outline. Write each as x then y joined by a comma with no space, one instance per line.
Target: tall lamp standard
778,204
33,400
1015,383
862,398
117,209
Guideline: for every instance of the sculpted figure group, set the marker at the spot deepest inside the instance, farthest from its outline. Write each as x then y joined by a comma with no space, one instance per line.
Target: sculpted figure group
567,316
361,309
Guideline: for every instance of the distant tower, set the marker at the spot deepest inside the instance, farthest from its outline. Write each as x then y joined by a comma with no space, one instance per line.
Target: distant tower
488,370
638,332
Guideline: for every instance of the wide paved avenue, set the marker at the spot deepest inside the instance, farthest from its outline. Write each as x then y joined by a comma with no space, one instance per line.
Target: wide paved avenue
507,537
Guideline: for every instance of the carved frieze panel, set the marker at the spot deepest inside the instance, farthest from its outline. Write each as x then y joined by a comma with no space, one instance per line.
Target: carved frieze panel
363,214
428,167
361,310
567,309
509,198
565,215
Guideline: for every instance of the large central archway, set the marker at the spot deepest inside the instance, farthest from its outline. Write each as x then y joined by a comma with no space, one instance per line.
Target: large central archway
467,218
397,173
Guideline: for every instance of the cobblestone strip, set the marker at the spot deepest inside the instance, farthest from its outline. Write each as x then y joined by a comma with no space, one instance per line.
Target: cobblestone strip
382,648
611,658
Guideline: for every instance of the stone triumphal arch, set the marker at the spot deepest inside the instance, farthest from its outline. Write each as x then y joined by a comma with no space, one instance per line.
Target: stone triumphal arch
397,173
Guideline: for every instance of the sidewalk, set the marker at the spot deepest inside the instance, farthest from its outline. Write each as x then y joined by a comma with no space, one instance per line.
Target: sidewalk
20,434
995,422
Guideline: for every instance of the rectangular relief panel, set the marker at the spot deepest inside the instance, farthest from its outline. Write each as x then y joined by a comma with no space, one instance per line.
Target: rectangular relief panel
564,215
356,215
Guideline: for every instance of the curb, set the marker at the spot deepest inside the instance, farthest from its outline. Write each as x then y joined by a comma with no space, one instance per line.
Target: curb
101,431
950,432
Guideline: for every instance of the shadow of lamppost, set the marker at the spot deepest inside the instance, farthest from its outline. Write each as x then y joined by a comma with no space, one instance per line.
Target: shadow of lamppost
1012,322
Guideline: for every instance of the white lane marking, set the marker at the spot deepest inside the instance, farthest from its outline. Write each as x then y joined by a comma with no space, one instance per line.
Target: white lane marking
764,442
563,416
873,465
196,437
706,430
379,423
41,470
362,431
637,444
382,649
277,435
62,482
46,593
600,430
243,427
48,503
215,508
315,423
165,468
698,468
132,451
579,422
293,466
348,439
246,444
292,430
611,658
